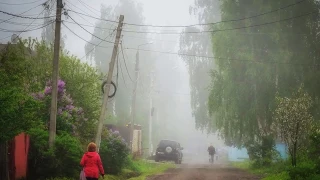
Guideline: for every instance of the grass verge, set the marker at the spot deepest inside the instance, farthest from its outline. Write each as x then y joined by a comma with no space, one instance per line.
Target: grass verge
275,171
143,170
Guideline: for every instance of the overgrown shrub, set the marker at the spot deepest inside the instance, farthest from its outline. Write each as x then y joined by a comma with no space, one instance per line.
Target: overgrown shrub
60,161
262,153
314,148
303,171
114,153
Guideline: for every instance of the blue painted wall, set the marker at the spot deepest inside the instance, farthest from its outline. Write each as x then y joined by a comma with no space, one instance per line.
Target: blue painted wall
235,154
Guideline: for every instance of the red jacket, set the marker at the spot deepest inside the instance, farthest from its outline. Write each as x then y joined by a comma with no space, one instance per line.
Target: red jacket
92,164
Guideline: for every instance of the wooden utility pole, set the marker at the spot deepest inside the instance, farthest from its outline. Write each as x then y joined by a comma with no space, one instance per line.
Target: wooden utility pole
133,106
55,75
109,78
151,114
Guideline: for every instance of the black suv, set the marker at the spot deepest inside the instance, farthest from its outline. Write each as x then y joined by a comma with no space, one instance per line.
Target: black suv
169,150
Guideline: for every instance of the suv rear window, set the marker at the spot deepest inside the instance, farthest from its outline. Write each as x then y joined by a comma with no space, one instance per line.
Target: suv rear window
165,143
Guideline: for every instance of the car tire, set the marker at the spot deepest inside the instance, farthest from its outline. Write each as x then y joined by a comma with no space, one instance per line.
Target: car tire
177,161
156,159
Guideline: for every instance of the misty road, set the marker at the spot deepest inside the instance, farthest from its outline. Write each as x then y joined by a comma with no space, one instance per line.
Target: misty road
205,172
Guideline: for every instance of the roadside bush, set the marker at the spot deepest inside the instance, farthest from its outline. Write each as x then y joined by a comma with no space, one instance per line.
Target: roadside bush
60,161
114,153
314,148
303,171
262,153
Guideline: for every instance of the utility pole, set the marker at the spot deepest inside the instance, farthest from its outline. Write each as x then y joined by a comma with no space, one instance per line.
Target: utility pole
55,75
133,106
151,114
109,78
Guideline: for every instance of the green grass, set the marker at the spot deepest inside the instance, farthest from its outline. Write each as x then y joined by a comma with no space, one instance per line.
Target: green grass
275,171
144,169
147,169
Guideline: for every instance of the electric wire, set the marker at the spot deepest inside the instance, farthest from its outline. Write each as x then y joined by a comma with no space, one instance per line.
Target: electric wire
24,17
222,30
230,59
124,60
90,32
96,45
183,26
26,30
18,4
38,16
89,7
124,81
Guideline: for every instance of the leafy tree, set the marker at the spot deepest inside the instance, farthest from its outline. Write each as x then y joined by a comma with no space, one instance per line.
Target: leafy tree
255,63
17,108
293,120
199,68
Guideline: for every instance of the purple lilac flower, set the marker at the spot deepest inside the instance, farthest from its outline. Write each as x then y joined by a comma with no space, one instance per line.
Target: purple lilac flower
59,111
70,107
40,96
61,86
47,90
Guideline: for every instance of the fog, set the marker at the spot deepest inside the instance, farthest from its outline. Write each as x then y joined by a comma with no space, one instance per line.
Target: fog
171,94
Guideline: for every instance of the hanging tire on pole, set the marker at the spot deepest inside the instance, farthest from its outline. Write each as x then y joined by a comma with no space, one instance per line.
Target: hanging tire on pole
104,83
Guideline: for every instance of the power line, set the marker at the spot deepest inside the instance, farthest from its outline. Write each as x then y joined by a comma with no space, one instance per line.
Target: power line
80,10
98,45
79,13
230,59
7,30
35,20
224,21
90,32
89,7
19,23
23,12
84,39
228,29
24,17
183,26
124,60
125,84
17,4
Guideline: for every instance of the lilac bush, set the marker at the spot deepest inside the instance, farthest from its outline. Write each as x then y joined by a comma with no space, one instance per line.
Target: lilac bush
69,117
114,152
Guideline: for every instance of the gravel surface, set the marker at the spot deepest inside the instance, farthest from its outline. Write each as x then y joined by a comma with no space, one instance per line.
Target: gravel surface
205,172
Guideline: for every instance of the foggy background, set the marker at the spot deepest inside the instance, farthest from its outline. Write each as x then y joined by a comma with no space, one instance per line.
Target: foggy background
171,93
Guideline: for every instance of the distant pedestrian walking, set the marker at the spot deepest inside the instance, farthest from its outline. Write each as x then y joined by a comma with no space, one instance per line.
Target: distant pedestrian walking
91,163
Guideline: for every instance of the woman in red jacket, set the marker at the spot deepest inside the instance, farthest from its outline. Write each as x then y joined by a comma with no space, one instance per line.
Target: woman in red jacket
91,163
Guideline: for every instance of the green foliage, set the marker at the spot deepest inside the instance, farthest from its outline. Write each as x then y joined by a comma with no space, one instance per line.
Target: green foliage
279,176
113,152
304,170
314,147
262,153
17,108
293,120
60,161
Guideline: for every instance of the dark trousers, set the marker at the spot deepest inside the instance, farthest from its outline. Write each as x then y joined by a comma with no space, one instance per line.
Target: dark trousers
88,178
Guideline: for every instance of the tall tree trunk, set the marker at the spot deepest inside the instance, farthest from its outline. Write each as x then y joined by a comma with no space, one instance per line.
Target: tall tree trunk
294,158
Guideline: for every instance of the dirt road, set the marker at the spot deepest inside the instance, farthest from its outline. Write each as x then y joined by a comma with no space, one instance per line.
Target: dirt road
205,172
